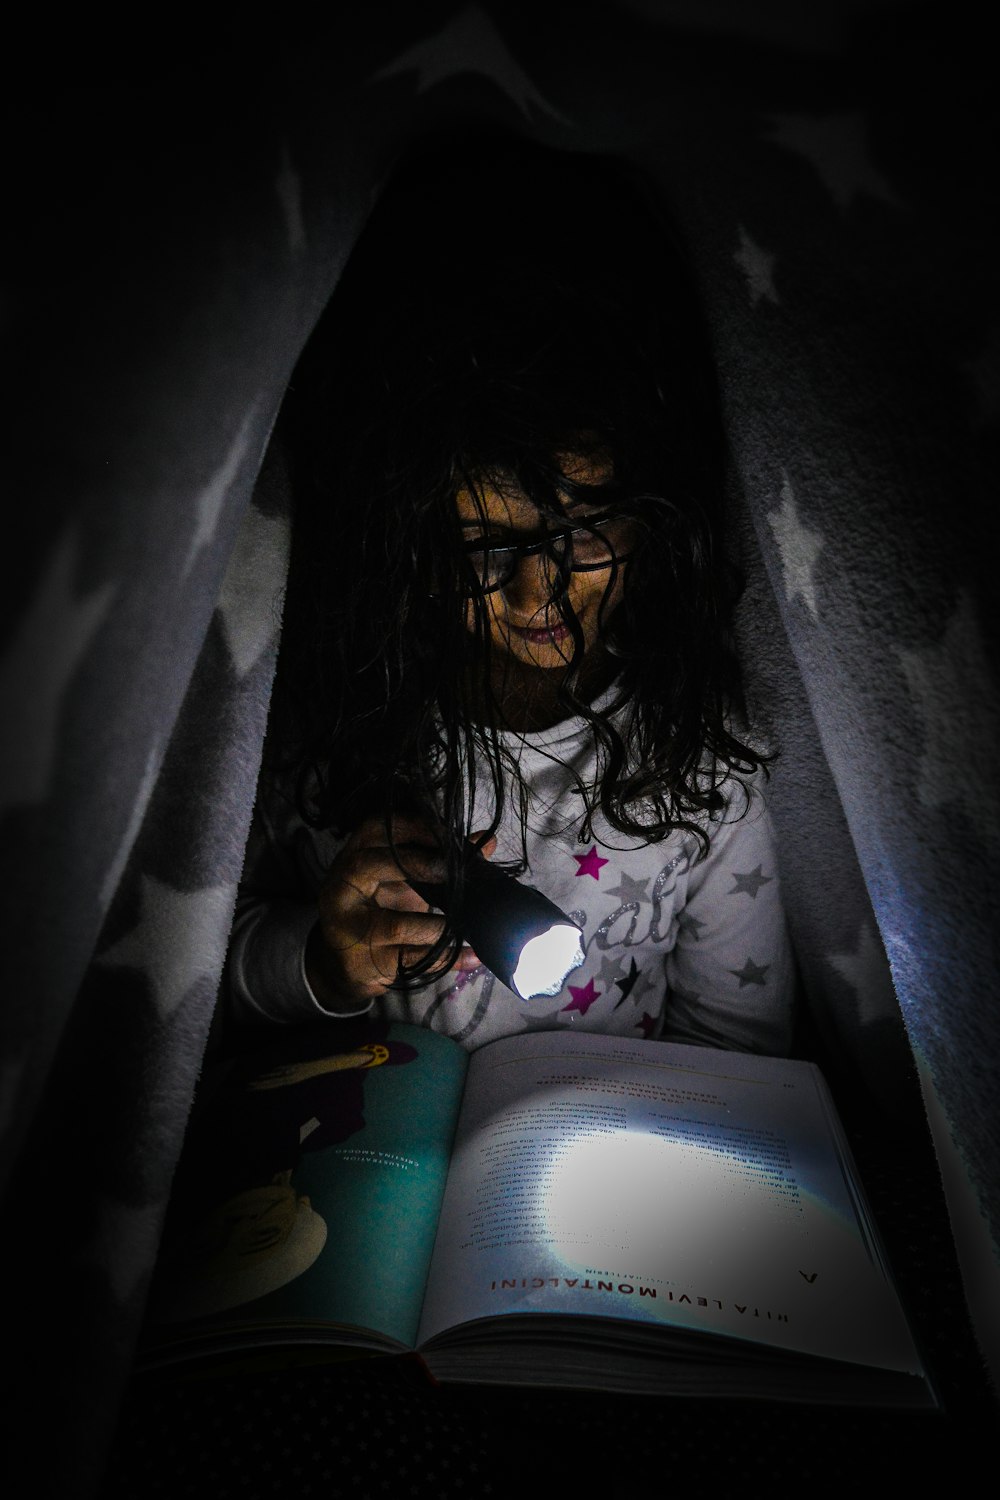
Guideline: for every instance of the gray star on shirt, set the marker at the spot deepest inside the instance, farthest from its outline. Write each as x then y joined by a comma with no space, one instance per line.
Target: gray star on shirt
688,924
749,882
628,889
610,969
751,973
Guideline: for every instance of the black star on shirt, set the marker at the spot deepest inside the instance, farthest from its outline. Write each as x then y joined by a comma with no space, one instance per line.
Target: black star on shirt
625,985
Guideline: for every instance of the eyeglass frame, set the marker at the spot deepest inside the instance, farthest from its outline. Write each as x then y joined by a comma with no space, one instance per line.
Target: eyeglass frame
518,550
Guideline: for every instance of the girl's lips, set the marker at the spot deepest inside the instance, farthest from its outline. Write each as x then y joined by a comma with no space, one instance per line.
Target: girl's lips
557,632
542,637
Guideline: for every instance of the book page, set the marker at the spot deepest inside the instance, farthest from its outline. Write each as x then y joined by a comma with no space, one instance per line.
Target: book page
670,1184
310,1189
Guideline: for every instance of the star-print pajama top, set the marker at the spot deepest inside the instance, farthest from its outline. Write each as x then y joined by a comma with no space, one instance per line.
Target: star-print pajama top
688,948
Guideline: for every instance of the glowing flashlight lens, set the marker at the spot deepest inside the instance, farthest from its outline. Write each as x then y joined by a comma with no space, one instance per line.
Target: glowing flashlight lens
545,961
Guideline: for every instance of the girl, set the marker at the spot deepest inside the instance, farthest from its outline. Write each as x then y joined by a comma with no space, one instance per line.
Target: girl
507,622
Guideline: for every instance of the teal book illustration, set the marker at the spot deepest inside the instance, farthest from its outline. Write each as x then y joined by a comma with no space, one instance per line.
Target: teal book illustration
312,1178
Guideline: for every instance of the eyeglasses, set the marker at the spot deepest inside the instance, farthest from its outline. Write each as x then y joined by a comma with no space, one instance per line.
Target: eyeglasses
603,541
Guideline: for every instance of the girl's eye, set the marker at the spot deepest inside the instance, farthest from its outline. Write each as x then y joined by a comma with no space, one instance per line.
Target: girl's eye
588,547
596,542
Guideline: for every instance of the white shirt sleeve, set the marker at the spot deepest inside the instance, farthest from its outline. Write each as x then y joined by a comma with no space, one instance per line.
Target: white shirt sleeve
730,975
275,913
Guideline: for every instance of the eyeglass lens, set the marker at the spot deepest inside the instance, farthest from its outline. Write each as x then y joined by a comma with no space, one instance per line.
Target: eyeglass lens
599,545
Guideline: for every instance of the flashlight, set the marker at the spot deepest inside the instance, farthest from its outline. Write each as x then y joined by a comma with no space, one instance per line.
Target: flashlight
521,936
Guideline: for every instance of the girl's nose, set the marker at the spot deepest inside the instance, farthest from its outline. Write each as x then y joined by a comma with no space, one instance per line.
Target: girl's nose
533,585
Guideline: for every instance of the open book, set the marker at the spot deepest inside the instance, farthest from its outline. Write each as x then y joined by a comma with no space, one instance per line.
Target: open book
583,1211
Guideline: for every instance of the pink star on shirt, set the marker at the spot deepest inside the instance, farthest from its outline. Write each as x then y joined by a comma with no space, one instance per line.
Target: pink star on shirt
590,863
647,1023
584,996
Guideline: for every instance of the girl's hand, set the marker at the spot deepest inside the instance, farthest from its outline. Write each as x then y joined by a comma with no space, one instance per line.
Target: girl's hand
371,920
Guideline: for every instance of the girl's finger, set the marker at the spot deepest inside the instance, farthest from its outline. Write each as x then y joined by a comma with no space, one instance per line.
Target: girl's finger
398,895
467,961
412,954
402,929
365,870
371,833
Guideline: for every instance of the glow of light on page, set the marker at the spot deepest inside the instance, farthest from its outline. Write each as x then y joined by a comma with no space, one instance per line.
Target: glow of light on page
545,961
627,1202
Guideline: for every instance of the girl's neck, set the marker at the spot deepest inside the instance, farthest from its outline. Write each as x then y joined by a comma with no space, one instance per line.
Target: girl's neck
528,697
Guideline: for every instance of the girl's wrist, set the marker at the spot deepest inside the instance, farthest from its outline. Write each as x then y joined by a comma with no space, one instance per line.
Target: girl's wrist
321,984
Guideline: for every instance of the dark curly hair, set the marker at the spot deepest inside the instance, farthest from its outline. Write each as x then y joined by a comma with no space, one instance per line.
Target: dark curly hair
506,304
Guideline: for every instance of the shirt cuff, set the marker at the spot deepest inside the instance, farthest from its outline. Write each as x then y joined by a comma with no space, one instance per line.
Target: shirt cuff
358,1010
267,965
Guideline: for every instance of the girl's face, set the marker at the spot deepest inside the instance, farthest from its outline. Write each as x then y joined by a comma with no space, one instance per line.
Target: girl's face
524,621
